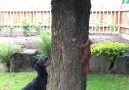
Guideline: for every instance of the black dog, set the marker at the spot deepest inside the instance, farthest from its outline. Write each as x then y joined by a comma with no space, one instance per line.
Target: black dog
40,82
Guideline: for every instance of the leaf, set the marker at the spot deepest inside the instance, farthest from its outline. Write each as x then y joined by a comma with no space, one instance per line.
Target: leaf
44,47
109,48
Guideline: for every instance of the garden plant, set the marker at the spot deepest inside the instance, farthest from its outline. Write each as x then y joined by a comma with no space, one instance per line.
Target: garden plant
26,28
44,46
110,49
6,50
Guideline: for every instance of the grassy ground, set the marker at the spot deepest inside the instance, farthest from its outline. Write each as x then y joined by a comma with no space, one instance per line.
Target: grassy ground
103,81
15,81
95,81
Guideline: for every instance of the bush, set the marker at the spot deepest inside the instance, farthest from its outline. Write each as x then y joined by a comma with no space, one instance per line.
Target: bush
44,47
108,48
10,29
37,28
1,27
6,50
25,26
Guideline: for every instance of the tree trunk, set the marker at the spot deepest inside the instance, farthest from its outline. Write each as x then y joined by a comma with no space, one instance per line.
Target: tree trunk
70,26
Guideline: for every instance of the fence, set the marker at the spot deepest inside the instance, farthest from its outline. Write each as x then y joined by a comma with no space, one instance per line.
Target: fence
32,15
103,19
107,19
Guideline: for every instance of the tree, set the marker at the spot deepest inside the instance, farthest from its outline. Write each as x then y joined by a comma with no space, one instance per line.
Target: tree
70,27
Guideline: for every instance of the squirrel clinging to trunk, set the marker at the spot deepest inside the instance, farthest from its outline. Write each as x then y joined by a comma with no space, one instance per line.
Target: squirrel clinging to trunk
86,56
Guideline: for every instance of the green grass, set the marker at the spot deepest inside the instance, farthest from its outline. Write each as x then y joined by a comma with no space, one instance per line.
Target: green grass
103,81
95,81
15,81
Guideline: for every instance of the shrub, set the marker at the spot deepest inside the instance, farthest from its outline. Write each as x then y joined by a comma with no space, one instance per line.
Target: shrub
37,28
1,27
125,1
6,50
10,29
25,26
108,48
44,47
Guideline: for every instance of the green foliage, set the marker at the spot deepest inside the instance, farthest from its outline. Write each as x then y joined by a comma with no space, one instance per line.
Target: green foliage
25,27
108,48
44,47
97,24
6,50
1,27
125,1
10,28
112,27
37,27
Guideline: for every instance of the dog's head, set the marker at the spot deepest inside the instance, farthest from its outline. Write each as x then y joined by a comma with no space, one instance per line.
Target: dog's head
42,63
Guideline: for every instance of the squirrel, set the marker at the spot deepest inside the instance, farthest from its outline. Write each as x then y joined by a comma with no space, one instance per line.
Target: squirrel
86,56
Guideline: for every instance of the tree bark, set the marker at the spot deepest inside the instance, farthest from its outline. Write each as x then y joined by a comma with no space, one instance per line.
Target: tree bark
70,27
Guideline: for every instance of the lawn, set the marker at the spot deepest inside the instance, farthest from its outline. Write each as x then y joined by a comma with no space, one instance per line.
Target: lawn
15,81
103,81
95,81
